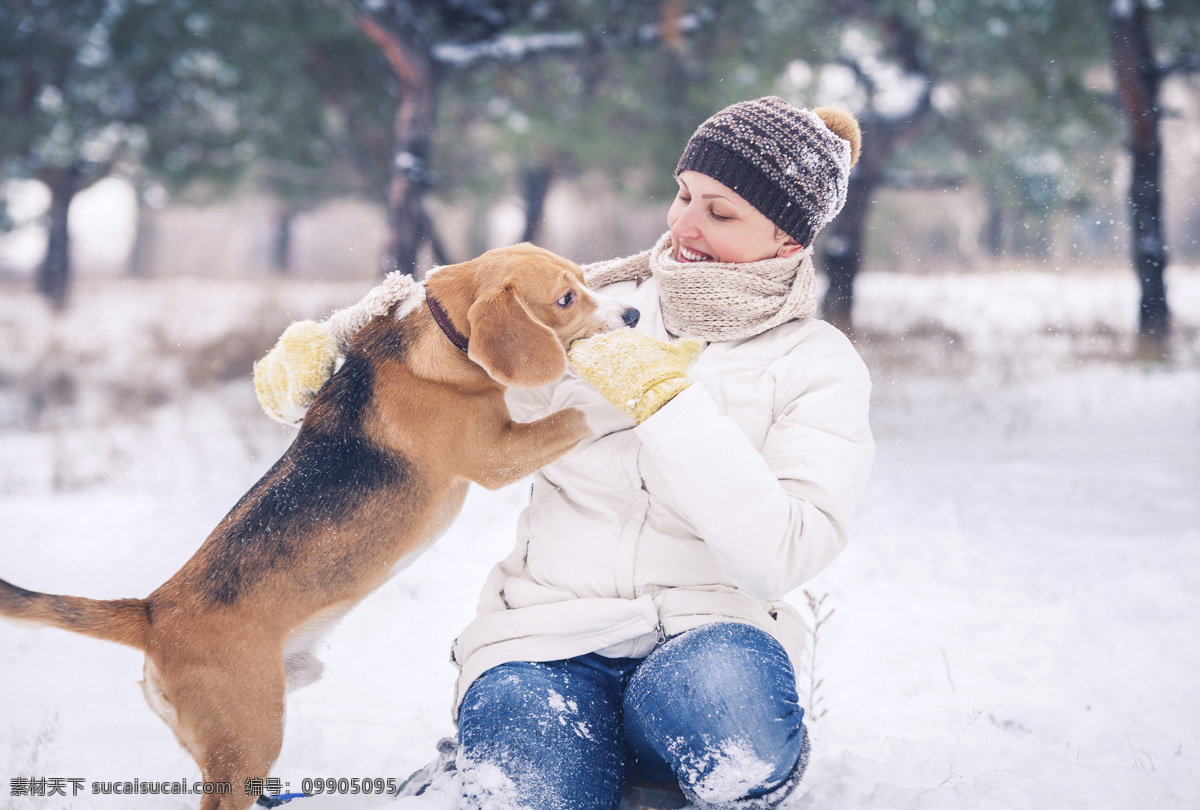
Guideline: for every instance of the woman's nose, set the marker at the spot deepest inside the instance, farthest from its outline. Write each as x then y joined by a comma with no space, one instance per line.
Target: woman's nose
685,223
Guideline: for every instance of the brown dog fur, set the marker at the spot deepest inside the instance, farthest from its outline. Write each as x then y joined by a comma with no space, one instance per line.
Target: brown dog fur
380,467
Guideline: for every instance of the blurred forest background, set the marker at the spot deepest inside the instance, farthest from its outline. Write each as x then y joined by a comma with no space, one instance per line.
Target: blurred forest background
345,138
1018,264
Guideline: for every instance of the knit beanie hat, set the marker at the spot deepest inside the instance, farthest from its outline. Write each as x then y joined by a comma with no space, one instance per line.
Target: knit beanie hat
793,165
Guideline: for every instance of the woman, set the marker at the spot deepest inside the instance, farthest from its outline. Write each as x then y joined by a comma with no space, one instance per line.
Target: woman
638,632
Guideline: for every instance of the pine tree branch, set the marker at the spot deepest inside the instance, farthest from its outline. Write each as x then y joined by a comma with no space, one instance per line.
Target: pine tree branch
513,48
910,181
507,48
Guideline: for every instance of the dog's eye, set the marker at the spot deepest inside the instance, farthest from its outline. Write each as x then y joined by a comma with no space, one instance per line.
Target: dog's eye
567,299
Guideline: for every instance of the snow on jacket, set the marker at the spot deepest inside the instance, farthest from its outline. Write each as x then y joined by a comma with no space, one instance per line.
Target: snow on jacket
735,493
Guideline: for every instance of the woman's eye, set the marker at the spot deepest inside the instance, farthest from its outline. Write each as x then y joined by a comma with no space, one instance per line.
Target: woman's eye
567,299
719,217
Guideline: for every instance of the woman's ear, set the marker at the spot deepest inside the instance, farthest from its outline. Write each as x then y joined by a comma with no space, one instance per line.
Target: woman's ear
789,248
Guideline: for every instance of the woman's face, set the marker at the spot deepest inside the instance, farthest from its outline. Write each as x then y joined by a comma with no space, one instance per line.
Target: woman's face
710,222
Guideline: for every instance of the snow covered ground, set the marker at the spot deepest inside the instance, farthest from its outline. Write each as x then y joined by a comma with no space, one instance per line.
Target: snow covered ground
1016,623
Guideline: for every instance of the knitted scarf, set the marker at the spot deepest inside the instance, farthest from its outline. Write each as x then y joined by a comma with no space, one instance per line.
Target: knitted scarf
718,301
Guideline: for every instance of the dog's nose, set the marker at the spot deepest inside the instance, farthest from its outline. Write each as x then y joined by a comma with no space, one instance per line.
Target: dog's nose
631,317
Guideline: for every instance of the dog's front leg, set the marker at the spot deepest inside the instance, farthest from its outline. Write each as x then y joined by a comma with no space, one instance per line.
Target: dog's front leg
522,448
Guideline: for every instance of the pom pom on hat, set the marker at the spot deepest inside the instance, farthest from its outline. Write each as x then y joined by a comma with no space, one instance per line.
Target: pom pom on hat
845,126
791,164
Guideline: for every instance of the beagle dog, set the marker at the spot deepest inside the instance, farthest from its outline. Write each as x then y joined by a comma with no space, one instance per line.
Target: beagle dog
379,469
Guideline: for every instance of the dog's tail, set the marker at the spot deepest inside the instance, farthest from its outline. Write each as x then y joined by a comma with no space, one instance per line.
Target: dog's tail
125,621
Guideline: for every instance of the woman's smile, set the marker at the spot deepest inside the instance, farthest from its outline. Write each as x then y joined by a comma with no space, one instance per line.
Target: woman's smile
685,254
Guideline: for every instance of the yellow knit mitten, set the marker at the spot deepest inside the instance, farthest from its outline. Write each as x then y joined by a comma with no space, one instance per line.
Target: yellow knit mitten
287,379
635,372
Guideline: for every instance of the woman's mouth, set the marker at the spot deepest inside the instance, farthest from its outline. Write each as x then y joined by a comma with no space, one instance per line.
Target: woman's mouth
685,255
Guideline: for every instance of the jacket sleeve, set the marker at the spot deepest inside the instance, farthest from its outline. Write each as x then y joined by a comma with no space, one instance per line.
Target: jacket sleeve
776,518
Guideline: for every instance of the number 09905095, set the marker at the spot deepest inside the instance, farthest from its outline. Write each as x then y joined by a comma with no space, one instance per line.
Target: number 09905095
315,787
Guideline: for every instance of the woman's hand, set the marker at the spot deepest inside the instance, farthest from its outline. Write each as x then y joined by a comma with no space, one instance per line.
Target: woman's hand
287,379
637,373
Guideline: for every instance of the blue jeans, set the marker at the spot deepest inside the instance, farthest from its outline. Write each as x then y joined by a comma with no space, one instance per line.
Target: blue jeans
714,709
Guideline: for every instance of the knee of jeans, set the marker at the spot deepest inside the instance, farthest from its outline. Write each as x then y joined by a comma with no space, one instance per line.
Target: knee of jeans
727,672
525,741
503,772
719,703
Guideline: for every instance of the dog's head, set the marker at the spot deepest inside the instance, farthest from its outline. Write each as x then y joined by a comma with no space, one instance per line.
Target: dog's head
520,308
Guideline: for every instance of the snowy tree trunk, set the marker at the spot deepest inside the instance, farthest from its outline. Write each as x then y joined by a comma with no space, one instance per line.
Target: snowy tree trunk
993,226
142,253
842,250
281,240
54,275
412,140
1138,78
535,186
842,247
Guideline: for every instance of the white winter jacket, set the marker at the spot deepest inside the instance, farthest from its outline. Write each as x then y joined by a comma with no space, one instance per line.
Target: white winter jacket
735,493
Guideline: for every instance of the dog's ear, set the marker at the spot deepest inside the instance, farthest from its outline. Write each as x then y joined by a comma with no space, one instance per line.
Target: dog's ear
513,347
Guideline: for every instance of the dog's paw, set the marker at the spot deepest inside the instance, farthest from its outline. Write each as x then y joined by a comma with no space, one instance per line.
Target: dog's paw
578,424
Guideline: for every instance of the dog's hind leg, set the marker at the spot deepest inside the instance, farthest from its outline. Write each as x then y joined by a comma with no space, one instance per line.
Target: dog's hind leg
234,729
